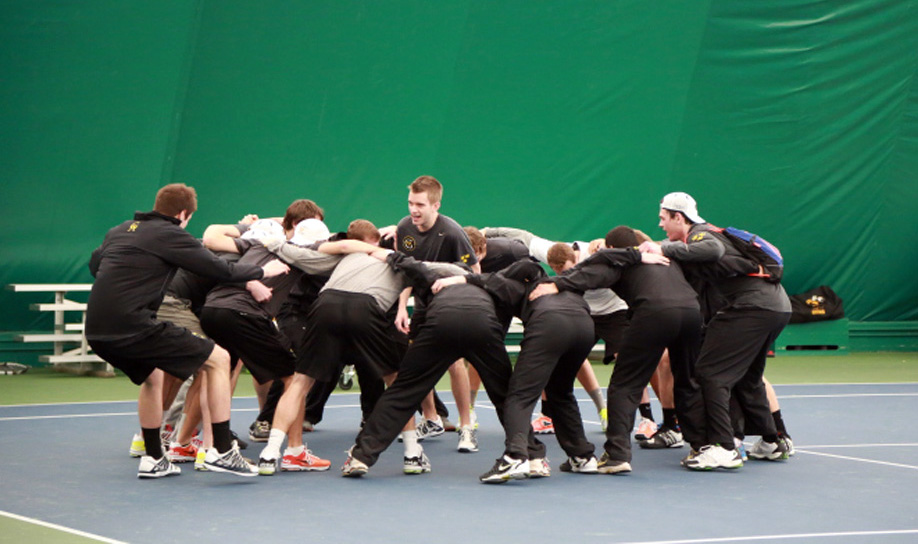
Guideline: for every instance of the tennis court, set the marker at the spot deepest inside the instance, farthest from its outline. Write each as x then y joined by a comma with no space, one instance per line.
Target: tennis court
854,479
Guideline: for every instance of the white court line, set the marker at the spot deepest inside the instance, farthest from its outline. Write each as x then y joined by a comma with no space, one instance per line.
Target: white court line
119,414
828,446
858,459
847,395
20,418
60,528
776,537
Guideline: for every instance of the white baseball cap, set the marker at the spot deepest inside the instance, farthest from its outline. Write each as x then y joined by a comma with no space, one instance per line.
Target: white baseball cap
309,231
682,202
263,229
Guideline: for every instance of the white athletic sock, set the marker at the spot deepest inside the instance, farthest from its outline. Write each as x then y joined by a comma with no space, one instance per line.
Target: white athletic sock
275,441
412,447
295,451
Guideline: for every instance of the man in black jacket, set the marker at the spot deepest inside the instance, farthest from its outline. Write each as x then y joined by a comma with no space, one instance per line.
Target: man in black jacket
743,316
665,315
133,267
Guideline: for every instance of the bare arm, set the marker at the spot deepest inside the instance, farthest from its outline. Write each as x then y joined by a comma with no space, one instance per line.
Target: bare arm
343,247
221,238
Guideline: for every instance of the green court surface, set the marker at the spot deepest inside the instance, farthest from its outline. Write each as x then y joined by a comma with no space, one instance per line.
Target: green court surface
44,385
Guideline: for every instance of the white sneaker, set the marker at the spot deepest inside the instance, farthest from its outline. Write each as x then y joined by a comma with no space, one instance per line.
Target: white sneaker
539,468
353,468
156,468
230,461
505,469
585,465
769,451
713,456
416,465
430,428
468,440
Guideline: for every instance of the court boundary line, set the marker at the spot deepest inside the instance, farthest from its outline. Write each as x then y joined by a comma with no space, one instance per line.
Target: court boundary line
858,459
61,528
788,536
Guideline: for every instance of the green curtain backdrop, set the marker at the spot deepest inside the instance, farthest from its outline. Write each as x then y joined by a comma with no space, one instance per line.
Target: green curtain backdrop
797,120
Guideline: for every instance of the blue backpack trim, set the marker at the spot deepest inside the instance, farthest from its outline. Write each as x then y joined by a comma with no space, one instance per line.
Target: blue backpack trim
758,250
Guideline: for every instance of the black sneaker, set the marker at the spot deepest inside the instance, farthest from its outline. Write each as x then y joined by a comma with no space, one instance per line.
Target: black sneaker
259,431
608,466
665,437
505,469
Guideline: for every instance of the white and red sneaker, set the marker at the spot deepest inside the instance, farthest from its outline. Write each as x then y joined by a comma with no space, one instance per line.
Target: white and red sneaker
303,461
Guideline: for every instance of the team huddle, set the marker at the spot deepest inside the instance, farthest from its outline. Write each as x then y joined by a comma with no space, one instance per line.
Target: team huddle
694,316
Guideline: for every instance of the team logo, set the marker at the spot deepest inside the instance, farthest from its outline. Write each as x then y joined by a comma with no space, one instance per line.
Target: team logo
697,237
465,258
134,226
817,304
408,243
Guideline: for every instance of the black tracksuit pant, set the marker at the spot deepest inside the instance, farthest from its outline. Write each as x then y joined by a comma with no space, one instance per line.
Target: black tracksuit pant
732,359
555,344
649,333
460,322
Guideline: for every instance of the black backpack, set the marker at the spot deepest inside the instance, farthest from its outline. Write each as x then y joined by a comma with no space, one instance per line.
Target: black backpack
819,304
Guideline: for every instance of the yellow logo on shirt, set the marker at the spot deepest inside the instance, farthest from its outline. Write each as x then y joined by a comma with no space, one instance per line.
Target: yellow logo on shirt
408,243
134,226
697,237
465,258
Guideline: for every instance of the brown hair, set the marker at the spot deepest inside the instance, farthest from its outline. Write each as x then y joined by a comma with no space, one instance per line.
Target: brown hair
361,229
429,185
559,254
478,240
299,210
623,236
175,198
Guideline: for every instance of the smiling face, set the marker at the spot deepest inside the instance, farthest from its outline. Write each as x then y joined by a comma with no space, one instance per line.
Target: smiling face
423,212
674,225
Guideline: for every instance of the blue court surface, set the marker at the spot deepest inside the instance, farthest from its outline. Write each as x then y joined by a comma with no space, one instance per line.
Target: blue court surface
854,479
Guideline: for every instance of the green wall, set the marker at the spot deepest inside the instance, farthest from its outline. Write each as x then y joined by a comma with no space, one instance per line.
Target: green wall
795,119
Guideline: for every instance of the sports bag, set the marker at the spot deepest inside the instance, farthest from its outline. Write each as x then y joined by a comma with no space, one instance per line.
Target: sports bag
758,250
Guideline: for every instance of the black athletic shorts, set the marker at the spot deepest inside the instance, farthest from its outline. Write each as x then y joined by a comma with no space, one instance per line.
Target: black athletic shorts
252,338
349,328
172,349
611,329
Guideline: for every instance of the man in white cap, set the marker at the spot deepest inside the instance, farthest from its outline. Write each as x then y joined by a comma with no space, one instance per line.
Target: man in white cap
743,315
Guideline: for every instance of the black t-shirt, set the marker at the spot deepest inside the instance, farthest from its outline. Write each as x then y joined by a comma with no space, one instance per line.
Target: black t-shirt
444,242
